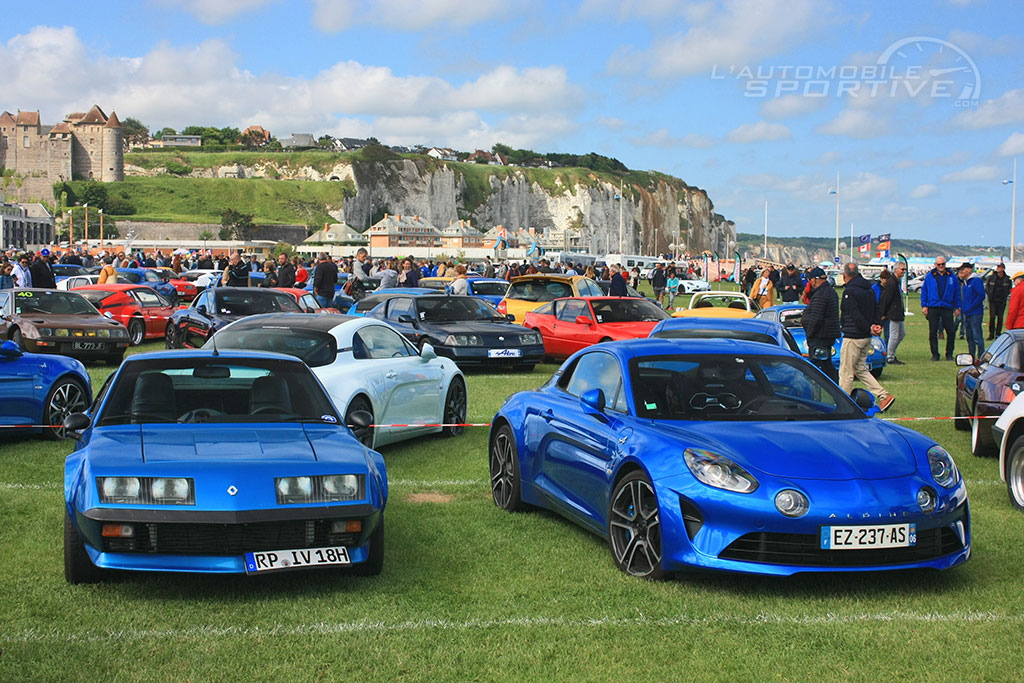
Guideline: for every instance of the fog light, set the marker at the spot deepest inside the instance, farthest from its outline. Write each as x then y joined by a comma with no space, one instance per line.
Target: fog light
118,531
791,503
926,500
346,526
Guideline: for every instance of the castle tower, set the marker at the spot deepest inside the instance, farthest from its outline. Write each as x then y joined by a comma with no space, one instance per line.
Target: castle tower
112,155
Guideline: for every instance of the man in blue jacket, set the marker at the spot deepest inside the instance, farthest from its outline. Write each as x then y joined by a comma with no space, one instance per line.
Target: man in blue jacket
940,302
972,308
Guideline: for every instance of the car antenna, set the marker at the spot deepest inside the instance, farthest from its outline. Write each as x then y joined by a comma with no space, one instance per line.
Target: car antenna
213,340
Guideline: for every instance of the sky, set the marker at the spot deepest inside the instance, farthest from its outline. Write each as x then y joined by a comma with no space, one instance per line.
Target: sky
917,106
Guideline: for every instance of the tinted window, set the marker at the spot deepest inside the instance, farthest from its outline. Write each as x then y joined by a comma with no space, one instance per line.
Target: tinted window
597,371
377,341
401,306
434,284
627,310
488,288
546,309
313,347
716,334
539,290
570,309
369,303
133,278
1008,356
454,308
51,302
308,303
245,301
148,298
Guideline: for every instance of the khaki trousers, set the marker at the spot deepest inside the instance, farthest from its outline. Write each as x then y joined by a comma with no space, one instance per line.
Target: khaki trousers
853,355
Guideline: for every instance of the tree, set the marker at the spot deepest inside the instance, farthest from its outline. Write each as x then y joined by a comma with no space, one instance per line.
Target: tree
236,225
206,235
252,140
283,248
164,131
134,132
326,141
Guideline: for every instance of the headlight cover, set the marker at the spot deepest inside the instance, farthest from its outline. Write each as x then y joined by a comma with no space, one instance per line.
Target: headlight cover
462,340
531,339
146,490
719,472
325,488
943,469
878,345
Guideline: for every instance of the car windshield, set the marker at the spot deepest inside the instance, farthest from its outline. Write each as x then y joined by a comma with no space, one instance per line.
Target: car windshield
720,301
627,310
489,288
68,269
453,308
166,272
434,284
94,296
313,347
720,333
244,301
792,318
52,302
539,290
735,387
216,390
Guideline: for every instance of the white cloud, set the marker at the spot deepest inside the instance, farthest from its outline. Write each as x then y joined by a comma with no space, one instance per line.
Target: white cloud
978,44
215,11
830,158
332,16
662,138
867,186
628,10
1013,146
922,191
761,131
973,173
855,123
791,105
1006,109
739,32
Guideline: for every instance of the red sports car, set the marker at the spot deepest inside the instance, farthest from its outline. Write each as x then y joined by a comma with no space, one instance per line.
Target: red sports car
186,290
306,301
141,309
568,325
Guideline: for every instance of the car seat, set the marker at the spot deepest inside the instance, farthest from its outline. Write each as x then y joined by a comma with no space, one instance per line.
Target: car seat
153,397
271,394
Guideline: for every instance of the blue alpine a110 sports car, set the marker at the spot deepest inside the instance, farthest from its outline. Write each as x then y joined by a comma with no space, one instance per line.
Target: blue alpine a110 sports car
226,462
40,389
728,455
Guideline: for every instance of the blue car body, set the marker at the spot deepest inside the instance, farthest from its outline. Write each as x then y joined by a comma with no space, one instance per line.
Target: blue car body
235,506
474,281
750,329
36,389
62,271
854,471
371,300
150,278
876,360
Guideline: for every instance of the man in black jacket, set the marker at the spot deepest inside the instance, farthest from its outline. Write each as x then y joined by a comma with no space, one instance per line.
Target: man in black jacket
325,276
997,289
658,281
821,323
891,307
791,285
616,283
859,320
285,271
42,273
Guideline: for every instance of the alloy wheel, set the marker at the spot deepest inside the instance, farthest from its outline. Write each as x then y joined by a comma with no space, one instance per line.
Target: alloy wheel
455,407
1015,478
65,398
503,471
635,528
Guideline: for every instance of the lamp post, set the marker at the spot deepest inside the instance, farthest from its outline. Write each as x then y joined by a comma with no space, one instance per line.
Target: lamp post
621,250
86,233
101,229
1013,207
836,193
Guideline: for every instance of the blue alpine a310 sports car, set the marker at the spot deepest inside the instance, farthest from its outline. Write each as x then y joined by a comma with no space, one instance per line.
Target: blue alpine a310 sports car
40,389
200,461
728,455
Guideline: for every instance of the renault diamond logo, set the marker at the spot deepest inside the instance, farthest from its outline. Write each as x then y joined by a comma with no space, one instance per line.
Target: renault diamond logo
501,339
232,490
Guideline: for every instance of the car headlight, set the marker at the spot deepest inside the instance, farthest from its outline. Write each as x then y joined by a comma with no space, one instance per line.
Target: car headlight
59,332
326,488
791,503
718,471
45,332
943,469
174,491
878,345
119,489
147,490
119,332
103,333
462,340
530,339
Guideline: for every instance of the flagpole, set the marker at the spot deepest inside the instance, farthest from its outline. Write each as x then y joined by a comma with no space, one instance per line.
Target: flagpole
853,259
766,229
837,214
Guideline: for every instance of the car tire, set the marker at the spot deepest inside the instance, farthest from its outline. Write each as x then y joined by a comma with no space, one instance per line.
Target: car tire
365,436
1014,473
634,527
375,559
877,372
171,340
18,339
78,568
526,368
960,424
136,331
455,407
114,361
66,396
503,459
982,442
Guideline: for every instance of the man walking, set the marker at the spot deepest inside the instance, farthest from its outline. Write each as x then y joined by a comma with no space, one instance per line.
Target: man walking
972,309
859,320
891,308
820,321
325,277
940,302
997,289
791,284
659,280
617,282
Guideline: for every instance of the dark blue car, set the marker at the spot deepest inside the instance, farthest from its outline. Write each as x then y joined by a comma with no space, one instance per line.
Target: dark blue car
150,278
728,455
40,389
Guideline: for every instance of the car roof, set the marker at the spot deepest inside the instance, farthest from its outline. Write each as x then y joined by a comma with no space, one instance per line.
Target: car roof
549,276
632,348
201,354
748,324
784,307
323,323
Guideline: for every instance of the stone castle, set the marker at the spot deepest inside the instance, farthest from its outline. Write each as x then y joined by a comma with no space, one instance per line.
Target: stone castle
85,146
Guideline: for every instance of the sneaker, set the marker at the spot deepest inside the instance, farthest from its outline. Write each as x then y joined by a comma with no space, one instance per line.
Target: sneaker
896,361
886,402
949,357
934,358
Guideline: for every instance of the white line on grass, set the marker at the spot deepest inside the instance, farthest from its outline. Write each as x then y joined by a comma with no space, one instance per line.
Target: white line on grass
365,626
46,485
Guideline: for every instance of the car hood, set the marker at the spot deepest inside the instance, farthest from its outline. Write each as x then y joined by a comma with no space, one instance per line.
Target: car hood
155,443
86,322
830,449
632,329
478,327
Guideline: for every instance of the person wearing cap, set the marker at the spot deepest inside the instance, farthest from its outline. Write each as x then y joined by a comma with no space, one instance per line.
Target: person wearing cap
42,272
1015,309
791,284
820,321
998,291
972,308
859,320
940,302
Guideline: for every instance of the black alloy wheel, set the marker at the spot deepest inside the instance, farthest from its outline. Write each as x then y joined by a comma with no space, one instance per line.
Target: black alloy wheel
66,396
634,527
171,340
506,487
18,339
364,434
455,407
136,331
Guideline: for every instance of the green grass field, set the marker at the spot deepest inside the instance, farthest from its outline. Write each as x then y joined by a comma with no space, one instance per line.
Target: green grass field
469,592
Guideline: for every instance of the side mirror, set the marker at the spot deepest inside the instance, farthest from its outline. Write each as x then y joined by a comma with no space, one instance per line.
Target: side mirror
964,359
592,401
510,317
10,350
201,309
75,423
407,319
427,352
108,314
863,398
360,419
583,320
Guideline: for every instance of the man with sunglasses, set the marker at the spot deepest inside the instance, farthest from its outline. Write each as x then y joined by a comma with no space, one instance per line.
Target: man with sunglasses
940,302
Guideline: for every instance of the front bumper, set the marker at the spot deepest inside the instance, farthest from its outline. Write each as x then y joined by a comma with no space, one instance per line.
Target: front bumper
478,356
105,349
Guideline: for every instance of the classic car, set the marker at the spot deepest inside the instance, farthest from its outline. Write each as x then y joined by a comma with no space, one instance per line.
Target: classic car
568,325
490,289
152,277
718,305
527,292
40,389
143,311
214,308
986,385
1008,431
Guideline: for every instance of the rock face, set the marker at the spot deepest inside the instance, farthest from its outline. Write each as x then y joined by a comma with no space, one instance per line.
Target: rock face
655,210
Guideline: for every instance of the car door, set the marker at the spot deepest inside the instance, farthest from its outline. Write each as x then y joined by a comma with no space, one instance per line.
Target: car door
576,448
570,335
155,310
972,376
19,397
401,315
1003,370
198,319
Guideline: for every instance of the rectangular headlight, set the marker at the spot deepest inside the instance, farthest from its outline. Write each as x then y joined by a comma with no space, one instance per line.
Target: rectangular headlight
147,490
325,488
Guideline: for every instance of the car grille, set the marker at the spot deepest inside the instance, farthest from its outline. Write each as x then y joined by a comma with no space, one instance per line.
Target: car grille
228,539
804,550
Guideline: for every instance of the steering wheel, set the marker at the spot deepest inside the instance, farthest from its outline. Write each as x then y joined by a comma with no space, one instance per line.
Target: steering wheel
199,413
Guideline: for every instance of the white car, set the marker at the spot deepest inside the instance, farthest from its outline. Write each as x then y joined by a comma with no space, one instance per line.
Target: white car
76,281
1009,433
201,277
691,286
365,365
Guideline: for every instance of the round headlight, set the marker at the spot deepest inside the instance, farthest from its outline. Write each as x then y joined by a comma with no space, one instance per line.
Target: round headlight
341,485
45,332
165,488
60,332
791,503
120,489
926,499
103,333
878,344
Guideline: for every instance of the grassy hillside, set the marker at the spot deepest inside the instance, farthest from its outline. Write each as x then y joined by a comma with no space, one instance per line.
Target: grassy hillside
907,247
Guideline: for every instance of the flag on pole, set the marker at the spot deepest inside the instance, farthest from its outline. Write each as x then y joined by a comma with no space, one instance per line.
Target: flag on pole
883,253
865,244
883,242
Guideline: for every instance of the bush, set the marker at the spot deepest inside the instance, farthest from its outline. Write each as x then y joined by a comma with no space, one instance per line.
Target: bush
177,168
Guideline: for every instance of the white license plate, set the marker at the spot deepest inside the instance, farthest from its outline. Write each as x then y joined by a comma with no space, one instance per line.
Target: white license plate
88,346
868,536
294,559
504,353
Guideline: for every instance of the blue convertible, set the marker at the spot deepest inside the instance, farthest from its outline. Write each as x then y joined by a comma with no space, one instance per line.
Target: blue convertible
230,462
40,389
706,454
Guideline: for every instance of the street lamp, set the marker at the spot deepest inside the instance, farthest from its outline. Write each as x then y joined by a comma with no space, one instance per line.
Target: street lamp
1013,206
86,233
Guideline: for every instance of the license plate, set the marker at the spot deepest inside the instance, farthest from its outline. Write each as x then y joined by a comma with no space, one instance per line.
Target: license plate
870,536
295,559
88,346
504,353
